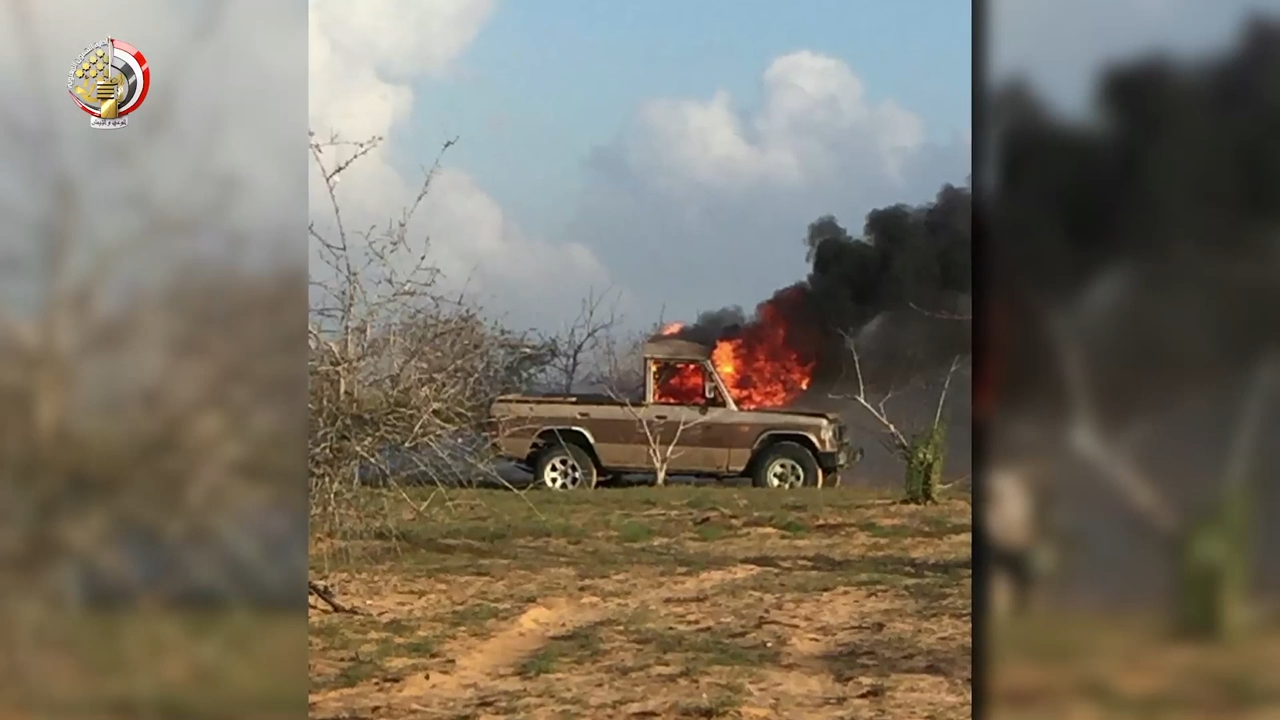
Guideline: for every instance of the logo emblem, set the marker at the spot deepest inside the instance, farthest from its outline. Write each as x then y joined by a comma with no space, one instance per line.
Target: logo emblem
109,80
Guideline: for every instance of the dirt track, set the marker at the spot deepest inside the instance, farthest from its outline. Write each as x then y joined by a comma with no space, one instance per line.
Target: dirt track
645,603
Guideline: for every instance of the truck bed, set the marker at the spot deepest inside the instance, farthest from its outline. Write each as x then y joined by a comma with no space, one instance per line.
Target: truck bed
575,399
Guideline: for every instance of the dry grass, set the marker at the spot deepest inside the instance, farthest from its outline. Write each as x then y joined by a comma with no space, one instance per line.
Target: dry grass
653,603
162,663
1081,666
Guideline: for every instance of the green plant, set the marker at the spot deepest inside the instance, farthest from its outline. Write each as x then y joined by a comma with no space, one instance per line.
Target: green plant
924,458
1215,571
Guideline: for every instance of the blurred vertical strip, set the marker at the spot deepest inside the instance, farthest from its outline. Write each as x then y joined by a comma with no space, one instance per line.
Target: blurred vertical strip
1129,477
985,380
153,305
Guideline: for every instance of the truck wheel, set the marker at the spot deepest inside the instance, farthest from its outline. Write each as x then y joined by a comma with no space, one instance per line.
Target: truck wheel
565,467
786,465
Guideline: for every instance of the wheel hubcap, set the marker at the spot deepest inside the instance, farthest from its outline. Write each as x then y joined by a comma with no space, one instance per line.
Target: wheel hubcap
562,473
785,473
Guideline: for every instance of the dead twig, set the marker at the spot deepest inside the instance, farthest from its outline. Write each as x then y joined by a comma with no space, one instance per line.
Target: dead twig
326,596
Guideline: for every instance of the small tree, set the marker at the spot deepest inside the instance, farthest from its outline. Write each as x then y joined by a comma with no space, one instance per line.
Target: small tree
924,453
662,440
572,350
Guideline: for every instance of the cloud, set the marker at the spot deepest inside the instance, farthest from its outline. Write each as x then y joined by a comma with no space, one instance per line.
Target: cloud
812,105
366,59
708,202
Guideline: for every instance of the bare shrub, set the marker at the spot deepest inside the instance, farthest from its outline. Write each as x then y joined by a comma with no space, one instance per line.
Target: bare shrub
924,451
401,374
666,429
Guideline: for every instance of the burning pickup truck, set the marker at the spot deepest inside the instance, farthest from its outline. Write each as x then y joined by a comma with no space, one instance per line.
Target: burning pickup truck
570,441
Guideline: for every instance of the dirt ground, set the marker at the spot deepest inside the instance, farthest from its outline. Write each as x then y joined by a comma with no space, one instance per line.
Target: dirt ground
1055,665
680,602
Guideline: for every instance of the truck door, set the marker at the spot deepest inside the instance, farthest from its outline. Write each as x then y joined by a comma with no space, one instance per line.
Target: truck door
682,408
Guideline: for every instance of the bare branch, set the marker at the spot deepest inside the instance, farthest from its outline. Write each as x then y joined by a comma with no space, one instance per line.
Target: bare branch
939,315
1237,465
326,595
946,385
581,341
1088,440
877,411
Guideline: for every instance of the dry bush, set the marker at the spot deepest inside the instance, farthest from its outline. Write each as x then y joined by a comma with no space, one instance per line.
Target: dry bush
149,373
151,404
401,374
150,449
922,451
161,414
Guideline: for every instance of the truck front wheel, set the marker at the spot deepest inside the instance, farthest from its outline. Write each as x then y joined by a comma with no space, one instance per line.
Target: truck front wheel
565,467
786,465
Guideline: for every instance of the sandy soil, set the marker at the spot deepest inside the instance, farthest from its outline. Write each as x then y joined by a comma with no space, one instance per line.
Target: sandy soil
647,603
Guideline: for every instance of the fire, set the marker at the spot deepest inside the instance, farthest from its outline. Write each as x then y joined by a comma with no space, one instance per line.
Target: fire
671,329
679,384
767,363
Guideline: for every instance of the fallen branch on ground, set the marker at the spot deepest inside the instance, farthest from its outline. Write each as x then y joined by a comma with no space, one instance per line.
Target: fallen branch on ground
326,596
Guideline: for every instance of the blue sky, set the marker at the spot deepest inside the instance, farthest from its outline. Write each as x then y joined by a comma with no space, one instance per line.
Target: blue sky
599,149
545,82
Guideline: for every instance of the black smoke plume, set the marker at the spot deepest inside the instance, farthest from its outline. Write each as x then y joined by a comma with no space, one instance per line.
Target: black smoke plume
898,287
1171,195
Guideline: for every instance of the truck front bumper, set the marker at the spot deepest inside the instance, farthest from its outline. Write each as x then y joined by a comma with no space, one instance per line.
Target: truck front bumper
839,459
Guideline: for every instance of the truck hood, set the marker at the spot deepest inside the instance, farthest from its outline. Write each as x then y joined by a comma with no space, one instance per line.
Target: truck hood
833,417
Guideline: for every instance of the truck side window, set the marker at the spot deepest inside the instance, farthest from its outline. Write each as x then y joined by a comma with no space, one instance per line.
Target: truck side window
682,383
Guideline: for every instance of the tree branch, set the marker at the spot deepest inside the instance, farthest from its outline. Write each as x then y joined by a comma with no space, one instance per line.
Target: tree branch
1089,442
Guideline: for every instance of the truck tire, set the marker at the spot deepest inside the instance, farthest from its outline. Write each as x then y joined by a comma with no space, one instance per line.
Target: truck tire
564,467
785,466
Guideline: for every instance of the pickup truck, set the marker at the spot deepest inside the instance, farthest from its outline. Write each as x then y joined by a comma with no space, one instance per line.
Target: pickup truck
686,421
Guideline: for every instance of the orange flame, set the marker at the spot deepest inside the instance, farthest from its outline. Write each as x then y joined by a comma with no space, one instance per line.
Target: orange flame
672,329
766,364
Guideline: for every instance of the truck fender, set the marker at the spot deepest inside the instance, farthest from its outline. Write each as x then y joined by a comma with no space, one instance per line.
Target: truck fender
569,434
769,437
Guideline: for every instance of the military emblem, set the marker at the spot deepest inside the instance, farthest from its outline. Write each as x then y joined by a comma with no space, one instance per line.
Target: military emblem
109,80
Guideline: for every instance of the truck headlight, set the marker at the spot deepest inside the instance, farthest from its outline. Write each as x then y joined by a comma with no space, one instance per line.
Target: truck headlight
827,435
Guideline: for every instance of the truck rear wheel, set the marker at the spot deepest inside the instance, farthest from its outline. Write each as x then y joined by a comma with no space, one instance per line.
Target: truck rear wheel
784,466
565,467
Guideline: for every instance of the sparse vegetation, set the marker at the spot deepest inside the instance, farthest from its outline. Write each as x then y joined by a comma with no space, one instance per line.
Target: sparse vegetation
667,601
